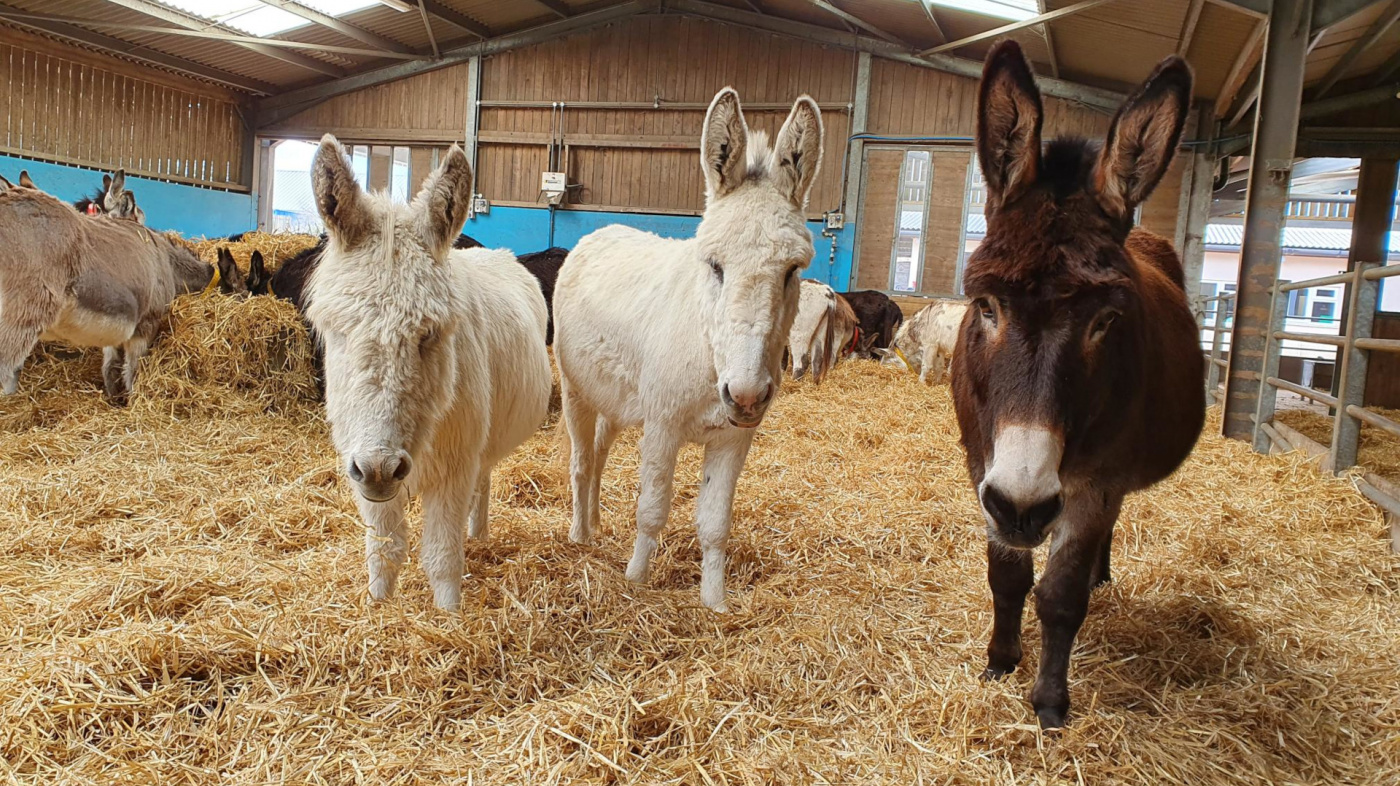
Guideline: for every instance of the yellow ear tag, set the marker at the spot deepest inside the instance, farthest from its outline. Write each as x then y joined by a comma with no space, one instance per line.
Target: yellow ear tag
903,359
213,282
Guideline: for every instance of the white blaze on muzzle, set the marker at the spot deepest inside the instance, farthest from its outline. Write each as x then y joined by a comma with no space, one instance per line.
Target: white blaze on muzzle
1025,465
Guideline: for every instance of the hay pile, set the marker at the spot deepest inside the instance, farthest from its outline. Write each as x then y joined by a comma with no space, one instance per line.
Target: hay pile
182,593
1378,450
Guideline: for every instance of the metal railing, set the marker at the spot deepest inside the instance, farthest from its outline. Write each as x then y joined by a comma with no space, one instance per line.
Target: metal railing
1347,408
1216,364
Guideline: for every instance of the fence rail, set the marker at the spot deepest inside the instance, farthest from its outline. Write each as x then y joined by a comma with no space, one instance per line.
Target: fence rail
1217,363
1347,408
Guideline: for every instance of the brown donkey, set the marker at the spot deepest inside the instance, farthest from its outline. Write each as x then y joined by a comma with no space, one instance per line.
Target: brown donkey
91,281
1077,375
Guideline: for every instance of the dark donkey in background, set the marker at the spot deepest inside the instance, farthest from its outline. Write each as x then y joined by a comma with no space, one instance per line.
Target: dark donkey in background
1077,375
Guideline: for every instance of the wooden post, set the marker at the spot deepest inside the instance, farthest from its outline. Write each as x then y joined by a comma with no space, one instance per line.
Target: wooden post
1275,139
1370,235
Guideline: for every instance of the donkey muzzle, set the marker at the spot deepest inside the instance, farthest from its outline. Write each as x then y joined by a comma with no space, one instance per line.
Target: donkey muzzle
378,474
746,404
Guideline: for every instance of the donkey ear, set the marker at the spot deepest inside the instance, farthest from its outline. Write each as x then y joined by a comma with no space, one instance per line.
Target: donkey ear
25,181
118,181
798,153
1142,138
106,183
339,199
724,144
5,185
446,196
1008,124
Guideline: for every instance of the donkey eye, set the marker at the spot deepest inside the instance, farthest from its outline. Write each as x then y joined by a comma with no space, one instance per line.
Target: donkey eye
1102,323
719,271
429,336
988,313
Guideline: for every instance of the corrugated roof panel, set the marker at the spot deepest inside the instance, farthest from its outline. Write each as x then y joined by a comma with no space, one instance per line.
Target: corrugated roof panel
1220,34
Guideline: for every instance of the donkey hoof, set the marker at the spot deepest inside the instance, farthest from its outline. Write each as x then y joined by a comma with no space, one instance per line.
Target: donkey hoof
638,574
580,537
996,673
1052,718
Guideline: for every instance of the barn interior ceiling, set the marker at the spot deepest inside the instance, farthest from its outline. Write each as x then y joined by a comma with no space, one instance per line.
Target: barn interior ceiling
288,54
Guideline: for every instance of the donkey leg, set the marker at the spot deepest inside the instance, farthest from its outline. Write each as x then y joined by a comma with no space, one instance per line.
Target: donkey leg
1062,601
478,527
112,373
581,421
1010,573
659,449
16,343
1102,573
134,351
385,543
445,508
714,511
604,435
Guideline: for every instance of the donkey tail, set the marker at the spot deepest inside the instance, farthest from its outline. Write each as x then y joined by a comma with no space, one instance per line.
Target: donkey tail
822,364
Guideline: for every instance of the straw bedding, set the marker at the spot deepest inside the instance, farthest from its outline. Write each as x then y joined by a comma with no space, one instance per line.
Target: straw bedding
1378,450
182,592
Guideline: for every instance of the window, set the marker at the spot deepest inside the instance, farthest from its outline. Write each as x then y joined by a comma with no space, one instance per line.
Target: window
911,213
1298,303
1325,306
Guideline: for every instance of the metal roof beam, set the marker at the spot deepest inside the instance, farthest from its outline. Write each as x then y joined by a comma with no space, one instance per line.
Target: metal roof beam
560,10
1107,100
1325,12
1049,42
1387,69
168,14
428,28
855,20
127,49
933,20
340,26
280,107
1253,95
1358,47
1256,8
1069,10
1344,103
459,19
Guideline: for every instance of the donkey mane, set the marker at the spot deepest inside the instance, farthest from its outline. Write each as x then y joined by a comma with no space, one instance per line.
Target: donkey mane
98,195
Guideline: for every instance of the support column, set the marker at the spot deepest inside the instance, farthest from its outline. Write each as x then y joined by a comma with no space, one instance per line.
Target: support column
855,156
1271,168
1195,214
264,181
473,121
1370,235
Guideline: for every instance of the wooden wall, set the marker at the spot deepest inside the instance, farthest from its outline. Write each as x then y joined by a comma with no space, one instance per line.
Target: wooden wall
70,106
430,107
627,157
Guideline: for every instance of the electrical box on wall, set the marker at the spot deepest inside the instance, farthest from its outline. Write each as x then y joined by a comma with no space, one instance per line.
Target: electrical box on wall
835,219
481,206
552,187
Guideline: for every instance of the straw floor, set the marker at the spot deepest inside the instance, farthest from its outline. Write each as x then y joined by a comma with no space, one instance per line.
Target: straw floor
182,600
1378,451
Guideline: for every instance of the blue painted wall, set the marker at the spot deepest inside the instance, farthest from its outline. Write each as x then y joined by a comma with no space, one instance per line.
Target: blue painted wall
526,229
189,210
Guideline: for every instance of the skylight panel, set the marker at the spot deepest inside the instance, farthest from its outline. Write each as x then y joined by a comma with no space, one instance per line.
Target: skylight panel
256,18
1014,10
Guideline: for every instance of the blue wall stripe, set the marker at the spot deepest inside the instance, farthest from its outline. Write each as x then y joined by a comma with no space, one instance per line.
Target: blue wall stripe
189,210
526,229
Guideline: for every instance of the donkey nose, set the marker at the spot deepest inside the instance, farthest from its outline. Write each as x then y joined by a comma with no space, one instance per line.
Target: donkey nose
1021,524
380,468
746,397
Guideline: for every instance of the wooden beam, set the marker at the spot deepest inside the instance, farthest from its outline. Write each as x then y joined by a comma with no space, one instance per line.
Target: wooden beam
1358,47
340,26
1099,98
1329,12
1249,55
933,20
856,21
1188,27
561,10
1069,10
117,46
1383,94
1255,8
1253,94
1387,69
428,28
190,22
279,107
231,38
1049,42
459,19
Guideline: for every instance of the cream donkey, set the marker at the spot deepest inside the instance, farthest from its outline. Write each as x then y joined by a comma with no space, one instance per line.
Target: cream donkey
685,337
812,338
89,281
436,366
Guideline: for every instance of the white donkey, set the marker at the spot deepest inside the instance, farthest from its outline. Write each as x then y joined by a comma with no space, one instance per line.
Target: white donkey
685,337
436,366
812,338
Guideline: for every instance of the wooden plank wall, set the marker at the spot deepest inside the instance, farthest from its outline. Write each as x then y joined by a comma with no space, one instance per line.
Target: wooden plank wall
878,216
943,235
629,158
69,106
430,107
